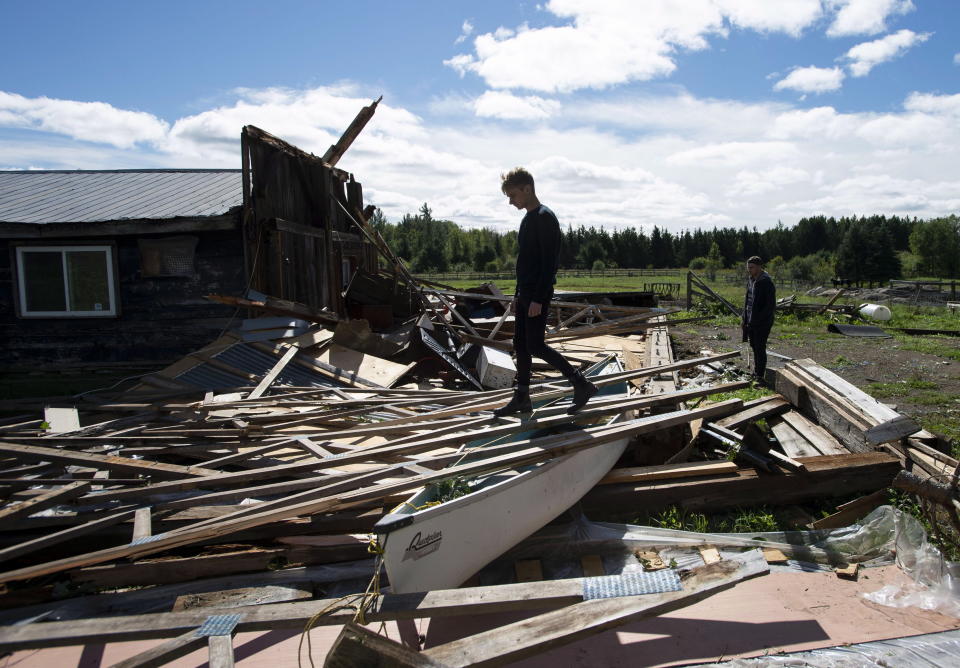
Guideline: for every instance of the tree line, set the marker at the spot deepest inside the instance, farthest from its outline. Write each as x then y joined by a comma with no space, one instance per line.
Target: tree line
816,248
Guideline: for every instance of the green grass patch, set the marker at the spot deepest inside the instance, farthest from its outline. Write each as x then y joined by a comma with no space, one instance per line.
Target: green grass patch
945,423
938,346
740,520
902,388
744,394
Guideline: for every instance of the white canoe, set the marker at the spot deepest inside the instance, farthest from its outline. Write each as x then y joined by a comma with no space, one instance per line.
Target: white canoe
441,546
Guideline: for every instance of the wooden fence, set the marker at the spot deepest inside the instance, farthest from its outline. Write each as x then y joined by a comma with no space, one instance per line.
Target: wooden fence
562,273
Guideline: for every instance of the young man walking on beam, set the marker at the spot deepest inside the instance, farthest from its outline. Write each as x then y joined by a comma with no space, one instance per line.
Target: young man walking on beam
537,258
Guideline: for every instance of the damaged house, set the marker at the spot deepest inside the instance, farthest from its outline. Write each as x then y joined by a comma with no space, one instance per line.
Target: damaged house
113,267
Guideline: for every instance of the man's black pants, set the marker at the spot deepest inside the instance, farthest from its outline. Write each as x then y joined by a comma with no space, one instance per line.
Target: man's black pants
758,343
528,343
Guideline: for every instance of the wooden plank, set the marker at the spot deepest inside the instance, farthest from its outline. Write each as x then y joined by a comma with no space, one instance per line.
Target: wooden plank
792,442
783,460
220,652
668,471
842,422
850,512
819,437
774,556
772,406
36,544
860,472
848,572
111,463
384,607
870,408
142,524
377,370
510,643
271,375
46,499
891,430
357,647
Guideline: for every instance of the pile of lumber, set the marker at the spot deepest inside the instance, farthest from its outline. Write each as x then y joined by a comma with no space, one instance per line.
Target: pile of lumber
260,497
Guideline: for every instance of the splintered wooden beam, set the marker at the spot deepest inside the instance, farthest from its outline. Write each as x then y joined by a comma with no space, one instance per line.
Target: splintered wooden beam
336,151
510,643
37,453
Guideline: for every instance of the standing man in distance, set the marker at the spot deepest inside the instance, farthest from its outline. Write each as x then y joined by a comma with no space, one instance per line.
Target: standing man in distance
537,257
758,309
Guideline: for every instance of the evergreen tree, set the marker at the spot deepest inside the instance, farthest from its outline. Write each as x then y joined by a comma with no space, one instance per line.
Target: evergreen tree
937,242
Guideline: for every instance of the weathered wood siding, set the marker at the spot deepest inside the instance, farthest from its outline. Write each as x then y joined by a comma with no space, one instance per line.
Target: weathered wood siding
296,230
160,319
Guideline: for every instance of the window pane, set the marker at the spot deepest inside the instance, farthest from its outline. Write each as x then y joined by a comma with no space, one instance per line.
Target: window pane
87,271
43,281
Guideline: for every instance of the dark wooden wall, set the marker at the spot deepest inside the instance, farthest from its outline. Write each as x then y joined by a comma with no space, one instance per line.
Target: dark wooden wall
160,319
297,234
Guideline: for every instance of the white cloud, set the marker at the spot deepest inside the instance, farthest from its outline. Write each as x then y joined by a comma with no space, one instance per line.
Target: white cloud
671,160
956,59
933,104
461,63
812,80
865,17
602,44
88,121
867,55
465,31
751,183
501,104
765,16
735,153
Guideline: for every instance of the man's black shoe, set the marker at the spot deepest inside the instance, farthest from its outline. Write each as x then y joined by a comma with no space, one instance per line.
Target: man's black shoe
519,403
583,389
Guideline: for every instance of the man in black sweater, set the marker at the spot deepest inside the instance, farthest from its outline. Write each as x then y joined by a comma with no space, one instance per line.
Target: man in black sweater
537,257
758,308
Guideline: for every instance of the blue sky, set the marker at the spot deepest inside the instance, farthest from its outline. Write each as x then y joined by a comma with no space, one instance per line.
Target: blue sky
681,113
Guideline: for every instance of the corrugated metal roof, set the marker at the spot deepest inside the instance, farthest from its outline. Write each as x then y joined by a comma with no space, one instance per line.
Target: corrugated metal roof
125,194
249,359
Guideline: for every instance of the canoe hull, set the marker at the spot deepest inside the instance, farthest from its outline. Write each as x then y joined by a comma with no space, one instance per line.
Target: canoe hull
444,545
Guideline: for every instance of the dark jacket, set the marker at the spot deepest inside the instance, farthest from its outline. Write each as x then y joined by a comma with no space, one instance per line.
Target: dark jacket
764,303
537,255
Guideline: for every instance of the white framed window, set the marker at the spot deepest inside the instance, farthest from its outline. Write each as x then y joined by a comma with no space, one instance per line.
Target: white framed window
66,281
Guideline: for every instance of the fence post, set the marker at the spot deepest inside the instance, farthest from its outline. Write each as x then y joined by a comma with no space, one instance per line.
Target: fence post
689,293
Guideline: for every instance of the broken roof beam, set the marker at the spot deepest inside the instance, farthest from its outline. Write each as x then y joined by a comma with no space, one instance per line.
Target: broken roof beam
826,476
336,151
32,453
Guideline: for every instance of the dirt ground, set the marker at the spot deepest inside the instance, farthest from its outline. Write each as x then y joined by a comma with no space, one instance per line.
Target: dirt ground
922,384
